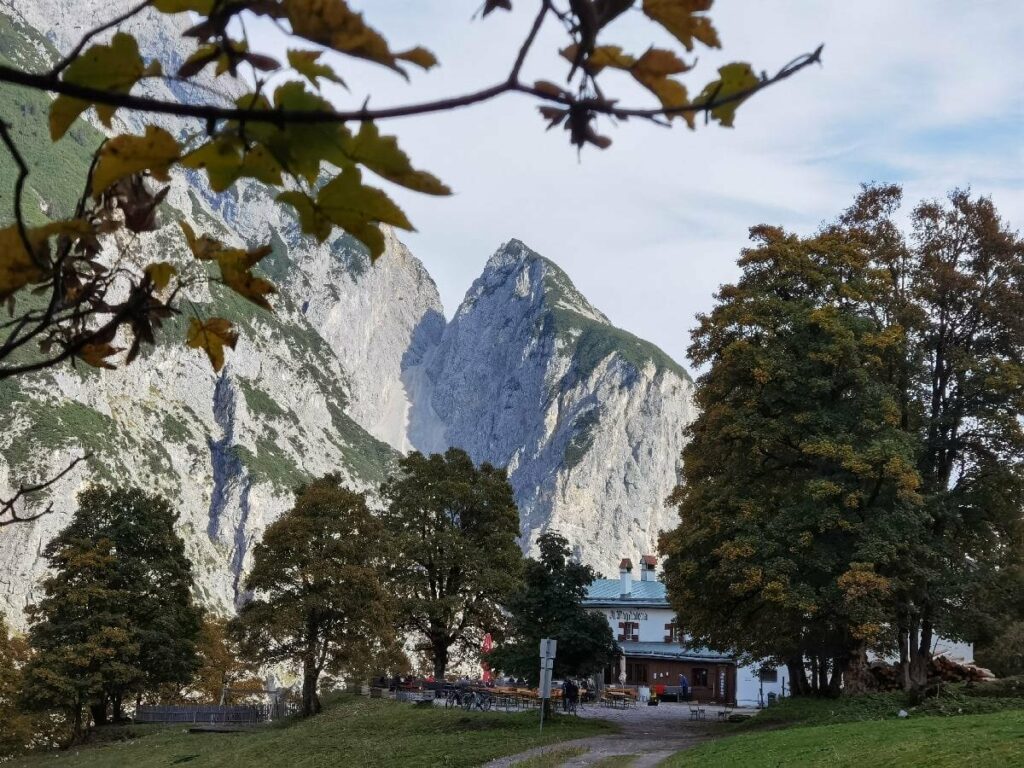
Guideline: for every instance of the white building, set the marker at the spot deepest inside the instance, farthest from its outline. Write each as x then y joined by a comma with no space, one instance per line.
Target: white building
655,644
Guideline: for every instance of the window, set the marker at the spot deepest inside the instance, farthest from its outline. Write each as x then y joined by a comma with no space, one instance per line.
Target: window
769,675
629,630
700,678
636,673
673,633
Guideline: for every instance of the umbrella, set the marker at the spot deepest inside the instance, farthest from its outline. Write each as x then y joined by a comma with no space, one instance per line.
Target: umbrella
485,648
622,669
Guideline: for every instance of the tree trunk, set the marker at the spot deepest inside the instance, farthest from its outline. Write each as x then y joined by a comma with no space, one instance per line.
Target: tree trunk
856,675
98,710
798,685
921,655
117,703
310,677
76,724
440,659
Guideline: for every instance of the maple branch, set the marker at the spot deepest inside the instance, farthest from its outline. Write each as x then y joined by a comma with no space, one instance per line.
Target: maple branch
7,506
280,117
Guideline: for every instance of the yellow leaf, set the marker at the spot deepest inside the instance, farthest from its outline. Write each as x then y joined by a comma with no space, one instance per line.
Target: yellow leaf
419,56
382,155
235,265
733,79
357,209
20,267
160,274
114,67
685,20
306,64
652,71
204,247
332,23
17,267
124,155
212,336
96,355
602,56
220,157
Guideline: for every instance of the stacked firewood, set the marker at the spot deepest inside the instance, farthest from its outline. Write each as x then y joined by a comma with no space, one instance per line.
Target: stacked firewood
888,677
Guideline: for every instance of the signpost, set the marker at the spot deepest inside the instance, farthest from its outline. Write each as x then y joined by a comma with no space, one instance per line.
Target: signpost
548,647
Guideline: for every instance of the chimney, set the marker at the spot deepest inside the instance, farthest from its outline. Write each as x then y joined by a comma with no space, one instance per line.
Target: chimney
648,566
626,577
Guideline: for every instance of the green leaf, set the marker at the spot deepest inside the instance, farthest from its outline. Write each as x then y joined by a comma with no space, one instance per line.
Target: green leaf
311,219
357,209
225,160
382,155
733,79
306,64
124,155
116,68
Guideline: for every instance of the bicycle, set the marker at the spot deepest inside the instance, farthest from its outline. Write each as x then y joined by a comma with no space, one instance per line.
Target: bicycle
454,698
478,699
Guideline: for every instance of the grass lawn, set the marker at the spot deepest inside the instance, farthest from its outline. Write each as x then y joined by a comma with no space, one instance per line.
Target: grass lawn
352,730
990,740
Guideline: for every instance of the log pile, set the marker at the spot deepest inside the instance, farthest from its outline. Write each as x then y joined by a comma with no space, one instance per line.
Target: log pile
888,677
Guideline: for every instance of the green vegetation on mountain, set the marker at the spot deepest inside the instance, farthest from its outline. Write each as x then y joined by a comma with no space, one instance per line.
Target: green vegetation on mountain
58,170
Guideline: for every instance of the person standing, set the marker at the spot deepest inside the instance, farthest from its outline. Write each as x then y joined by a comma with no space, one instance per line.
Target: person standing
684,687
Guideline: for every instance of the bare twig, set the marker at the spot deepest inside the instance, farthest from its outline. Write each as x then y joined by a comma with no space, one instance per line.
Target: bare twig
9,506
19,190
63,64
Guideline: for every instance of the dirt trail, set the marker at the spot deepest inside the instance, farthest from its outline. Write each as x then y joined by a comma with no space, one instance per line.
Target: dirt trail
652,733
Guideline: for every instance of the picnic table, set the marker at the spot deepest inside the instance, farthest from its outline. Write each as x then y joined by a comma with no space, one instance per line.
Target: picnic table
618,697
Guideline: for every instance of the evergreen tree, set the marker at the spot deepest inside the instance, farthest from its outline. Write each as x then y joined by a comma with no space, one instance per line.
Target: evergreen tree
319,601
455,560
117,616
550,604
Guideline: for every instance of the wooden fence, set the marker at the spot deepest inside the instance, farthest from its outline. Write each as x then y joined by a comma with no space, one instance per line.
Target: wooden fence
204,713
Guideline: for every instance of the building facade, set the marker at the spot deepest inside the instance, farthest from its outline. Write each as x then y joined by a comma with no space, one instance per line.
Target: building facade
655,646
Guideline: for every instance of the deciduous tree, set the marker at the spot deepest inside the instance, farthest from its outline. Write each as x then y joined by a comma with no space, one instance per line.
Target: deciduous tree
319,601
454,557
855,473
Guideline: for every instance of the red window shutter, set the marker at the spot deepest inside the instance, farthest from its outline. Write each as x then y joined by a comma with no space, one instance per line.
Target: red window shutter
622,630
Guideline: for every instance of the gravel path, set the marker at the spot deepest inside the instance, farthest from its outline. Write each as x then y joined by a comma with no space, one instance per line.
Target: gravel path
653,733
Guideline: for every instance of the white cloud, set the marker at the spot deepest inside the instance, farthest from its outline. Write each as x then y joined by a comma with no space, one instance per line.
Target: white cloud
924,93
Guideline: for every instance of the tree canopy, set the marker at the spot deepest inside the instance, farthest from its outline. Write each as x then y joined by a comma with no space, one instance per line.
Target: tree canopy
550,604
853,476
454,558
319,602
116,617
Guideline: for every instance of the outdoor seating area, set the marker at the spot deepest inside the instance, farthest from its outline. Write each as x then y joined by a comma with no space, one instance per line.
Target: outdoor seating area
618,698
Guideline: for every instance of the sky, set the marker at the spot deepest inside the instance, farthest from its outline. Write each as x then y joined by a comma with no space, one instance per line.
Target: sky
924,93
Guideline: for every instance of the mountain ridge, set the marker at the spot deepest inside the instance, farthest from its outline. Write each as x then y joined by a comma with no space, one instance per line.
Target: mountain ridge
356,365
